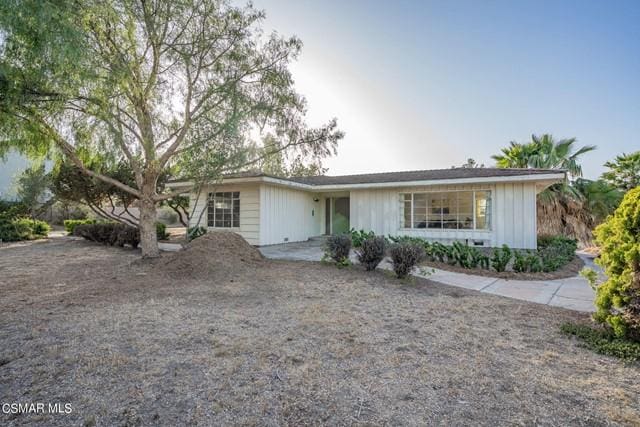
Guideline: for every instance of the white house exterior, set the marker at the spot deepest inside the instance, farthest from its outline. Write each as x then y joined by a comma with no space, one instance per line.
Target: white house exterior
482,207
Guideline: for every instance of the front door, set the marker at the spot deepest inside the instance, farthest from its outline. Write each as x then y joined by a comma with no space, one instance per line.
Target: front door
337,219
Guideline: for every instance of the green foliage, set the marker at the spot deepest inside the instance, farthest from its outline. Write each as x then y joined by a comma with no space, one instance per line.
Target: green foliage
599,198
70,224
109,233
404,257
337,248
12,210
357,237
624,171
543,152
31,187
16,229
527,262
556,251
161,231
618,298
195,232
603,341
592,277
500,258
371,252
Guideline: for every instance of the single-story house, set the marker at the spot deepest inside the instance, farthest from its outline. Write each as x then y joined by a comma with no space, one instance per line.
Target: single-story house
481,206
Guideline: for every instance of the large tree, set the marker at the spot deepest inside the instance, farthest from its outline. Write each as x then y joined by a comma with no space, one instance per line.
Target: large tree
624,171
154,84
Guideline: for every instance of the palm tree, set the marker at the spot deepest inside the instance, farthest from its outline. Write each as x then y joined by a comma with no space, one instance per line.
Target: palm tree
545,153
561,207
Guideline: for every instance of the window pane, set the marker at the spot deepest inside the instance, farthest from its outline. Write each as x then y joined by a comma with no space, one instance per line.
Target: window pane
483,210
420,210
449,210
465,210
434,214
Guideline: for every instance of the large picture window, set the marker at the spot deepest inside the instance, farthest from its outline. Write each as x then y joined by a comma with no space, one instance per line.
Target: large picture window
223,210
449,210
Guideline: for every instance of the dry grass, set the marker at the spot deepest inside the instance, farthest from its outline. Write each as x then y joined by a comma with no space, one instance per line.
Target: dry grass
283,343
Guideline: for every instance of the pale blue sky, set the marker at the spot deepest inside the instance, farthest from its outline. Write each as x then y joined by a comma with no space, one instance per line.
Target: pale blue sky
427,84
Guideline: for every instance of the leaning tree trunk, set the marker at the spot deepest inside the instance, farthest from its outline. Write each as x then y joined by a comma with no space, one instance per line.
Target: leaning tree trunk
147,225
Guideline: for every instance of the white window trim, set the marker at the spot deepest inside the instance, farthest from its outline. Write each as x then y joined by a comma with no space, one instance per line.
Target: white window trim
449,230
211,197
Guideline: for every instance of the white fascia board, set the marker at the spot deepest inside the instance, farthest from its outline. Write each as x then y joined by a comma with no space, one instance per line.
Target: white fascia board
522,178
551,177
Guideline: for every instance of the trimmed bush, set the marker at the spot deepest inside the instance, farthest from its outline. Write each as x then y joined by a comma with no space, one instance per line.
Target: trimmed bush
161,231
618,298
371,252
17,229
404,257
195,232
500,259
70,224
338,247
603,341
109,233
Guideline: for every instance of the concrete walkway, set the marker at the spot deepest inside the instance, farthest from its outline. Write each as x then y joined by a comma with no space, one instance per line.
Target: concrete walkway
573,293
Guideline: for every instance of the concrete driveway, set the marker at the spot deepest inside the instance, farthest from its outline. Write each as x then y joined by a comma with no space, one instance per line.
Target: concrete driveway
573,293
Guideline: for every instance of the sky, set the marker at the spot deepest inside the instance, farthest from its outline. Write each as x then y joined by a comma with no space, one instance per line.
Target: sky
428,84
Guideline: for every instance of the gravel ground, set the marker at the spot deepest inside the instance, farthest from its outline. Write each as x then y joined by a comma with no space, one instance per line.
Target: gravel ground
263,342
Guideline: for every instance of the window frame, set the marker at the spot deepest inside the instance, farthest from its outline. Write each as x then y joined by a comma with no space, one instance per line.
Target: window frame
234,197
403,200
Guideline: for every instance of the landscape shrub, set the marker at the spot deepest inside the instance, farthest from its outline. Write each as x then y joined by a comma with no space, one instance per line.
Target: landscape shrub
603,341
337,248
70,224
371,252
556,251
195,232
12,210
618,297
404,257
109,233
161,231
17,229
501,257
358,237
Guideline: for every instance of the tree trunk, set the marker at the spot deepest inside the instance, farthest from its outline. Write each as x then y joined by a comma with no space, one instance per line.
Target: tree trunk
147,224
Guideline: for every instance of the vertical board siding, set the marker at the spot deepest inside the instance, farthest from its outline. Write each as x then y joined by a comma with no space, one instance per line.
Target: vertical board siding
287,214
249,210
513,214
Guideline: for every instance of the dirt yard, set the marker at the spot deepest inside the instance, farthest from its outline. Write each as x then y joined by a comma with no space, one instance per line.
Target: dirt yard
256,342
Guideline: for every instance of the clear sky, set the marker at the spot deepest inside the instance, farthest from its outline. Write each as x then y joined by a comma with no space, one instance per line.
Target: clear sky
428,84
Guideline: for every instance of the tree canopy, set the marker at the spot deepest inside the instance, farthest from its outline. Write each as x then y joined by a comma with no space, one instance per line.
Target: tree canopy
624,171
154,84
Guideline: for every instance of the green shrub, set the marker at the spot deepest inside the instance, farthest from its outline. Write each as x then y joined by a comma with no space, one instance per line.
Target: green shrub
70,224
161,231
603,341
195,232
17,229
12,210
501,257
337,248
109,233
404,257
358,237
371,252
556,251
618,298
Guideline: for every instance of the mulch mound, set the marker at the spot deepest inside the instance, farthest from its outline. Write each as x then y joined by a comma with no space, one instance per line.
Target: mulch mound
214,253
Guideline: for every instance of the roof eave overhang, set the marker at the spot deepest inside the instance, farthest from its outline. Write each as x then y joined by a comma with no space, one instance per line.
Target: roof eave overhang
544,179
